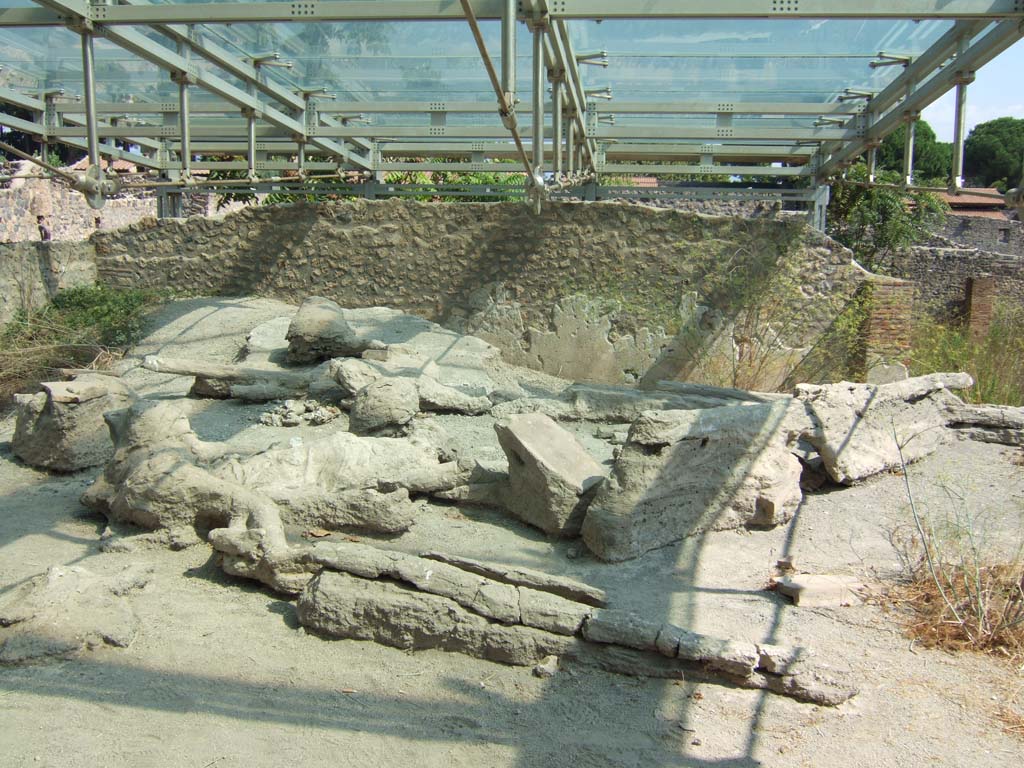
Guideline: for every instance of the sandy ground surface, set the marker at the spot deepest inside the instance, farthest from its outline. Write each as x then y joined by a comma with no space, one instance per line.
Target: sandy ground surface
221,674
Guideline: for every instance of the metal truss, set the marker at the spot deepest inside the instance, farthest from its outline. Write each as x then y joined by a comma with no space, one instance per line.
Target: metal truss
233,114
435,10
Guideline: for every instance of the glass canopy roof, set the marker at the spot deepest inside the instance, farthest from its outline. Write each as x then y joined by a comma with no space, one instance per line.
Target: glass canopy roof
739,87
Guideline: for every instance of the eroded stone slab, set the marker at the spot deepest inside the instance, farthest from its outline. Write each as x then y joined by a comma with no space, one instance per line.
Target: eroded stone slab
685,472
862,429
68,610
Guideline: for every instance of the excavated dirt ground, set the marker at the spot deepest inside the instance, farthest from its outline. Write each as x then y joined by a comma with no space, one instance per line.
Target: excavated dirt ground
221,675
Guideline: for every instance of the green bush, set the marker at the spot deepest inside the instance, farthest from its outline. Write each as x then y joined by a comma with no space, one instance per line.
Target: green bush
873,222
996,362
82,327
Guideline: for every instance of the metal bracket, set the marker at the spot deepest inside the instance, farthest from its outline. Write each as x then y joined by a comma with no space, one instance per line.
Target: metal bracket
96,186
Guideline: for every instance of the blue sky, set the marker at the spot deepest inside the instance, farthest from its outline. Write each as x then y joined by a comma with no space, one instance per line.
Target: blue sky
997,91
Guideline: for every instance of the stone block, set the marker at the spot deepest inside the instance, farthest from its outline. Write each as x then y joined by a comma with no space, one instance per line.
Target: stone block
62,427
551,476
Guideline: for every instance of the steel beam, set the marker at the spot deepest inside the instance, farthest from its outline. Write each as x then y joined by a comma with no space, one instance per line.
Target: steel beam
963,79
820,207
601,132
431,10
89,97
30,17
244,71
812,109
726,169
908,149
562,47
36,129
203,106
141,46
622,150
508,51
24,101
930,86
538,101
556,126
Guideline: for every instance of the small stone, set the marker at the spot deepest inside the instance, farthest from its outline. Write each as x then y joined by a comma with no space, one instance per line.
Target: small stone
821,590
547,667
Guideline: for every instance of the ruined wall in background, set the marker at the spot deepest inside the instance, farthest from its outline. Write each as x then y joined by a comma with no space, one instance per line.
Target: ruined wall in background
32,273
1002,235
588,291
68,215
941,275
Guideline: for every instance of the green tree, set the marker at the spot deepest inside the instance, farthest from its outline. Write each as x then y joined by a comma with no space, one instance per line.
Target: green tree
874,221
933,160
993,150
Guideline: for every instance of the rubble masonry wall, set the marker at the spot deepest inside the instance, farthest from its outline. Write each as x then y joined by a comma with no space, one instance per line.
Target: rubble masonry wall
1003,236
941,275
67,214
636,274
32,273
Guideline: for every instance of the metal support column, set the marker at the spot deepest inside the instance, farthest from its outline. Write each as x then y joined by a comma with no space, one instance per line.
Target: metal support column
818,215
184,115
508,50
538,101
872,160
908,151
251,145
570,147
959,129
89,94
556,127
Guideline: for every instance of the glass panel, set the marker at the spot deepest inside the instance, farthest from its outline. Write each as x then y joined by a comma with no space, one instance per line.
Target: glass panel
806,61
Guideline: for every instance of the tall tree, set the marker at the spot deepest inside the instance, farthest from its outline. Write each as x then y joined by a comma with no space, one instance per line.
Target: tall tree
932,159
993,151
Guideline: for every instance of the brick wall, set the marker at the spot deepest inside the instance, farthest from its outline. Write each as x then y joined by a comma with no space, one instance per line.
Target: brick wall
981,293
889,324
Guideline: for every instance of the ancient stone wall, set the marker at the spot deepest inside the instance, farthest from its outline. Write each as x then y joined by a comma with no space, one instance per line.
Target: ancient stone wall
941,275
589,291
31,273
66,213
69,217
993,235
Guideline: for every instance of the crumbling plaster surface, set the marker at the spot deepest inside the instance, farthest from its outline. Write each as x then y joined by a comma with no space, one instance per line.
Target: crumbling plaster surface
585,291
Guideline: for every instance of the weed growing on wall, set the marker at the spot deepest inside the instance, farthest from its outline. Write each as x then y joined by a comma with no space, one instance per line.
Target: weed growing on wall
996,362
87,326
875,221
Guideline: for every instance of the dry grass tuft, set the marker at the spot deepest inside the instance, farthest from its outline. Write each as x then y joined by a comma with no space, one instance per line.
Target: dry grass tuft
979,608
963,586
85,327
